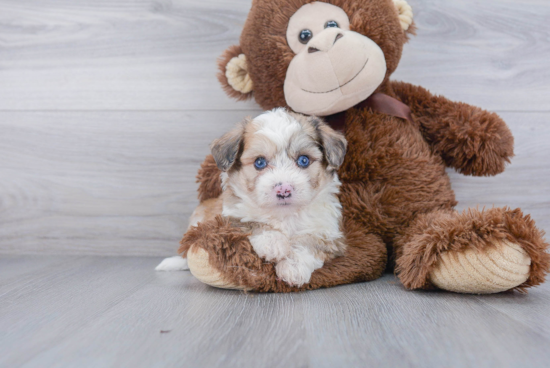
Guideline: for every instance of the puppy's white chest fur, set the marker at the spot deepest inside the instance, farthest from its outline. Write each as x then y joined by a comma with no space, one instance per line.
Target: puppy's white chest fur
298,241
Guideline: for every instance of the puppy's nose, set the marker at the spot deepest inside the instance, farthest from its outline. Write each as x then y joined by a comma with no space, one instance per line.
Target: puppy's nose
283,191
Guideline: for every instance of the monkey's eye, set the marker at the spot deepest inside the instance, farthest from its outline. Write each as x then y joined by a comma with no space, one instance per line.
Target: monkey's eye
305,36
303,162
331,24
260,163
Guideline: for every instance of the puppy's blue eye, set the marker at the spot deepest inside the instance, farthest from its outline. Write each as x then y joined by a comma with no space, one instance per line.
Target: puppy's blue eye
303,161
331,24
260,163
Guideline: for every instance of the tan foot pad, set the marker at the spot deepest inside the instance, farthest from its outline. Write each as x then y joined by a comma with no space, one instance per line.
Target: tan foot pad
197,259
496,269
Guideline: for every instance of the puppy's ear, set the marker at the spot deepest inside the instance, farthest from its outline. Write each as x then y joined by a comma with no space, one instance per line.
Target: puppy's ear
334,143
233,74
226,149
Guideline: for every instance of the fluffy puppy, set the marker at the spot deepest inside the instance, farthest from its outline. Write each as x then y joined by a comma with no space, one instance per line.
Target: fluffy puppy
279,180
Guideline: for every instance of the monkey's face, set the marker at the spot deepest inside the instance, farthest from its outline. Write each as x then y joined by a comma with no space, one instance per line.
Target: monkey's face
334,68
316,57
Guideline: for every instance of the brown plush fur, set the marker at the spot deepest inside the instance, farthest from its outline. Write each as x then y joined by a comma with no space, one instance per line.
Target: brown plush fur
230,253
210,182
395,191
439,231
471,140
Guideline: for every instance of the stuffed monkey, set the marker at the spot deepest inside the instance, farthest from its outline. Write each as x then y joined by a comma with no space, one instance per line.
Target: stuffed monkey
334,59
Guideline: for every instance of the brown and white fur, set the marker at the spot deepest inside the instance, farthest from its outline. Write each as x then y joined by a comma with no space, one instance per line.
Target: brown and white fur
292,212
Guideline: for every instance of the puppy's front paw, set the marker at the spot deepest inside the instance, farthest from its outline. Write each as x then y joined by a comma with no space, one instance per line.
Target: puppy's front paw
293,272
270,245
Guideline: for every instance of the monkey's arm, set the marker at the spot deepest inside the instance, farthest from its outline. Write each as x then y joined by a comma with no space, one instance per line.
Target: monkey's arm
469,139
210,182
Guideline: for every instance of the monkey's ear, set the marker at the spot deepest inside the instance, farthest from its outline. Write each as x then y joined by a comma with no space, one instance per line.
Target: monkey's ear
405,15
226,149
233,74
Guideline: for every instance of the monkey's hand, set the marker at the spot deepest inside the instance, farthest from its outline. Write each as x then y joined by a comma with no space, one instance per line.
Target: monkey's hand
469,139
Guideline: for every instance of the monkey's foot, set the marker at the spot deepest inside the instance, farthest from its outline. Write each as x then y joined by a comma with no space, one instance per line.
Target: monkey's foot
199,265
494,269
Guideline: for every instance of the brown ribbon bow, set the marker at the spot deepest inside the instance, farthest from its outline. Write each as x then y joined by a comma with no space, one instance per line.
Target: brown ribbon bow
378,102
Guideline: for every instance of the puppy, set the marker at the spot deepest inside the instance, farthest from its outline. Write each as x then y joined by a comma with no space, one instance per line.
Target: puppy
279,179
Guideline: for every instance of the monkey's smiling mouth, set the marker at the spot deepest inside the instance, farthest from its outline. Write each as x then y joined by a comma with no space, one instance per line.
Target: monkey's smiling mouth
348,82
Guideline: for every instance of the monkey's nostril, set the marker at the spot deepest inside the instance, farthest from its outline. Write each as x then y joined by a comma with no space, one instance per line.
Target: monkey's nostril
338,37
311,50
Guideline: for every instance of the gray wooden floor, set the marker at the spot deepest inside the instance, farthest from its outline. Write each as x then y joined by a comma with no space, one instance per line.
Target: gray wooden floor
116,312
106,110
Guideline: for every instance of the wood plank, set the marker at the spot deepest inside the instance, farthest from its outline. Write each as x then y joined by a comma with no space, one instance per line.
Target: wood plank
531,309
207,328
123,183
12,268
18,271
110,311
161,55
101,183
381,324
116,55
490,53
36,315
